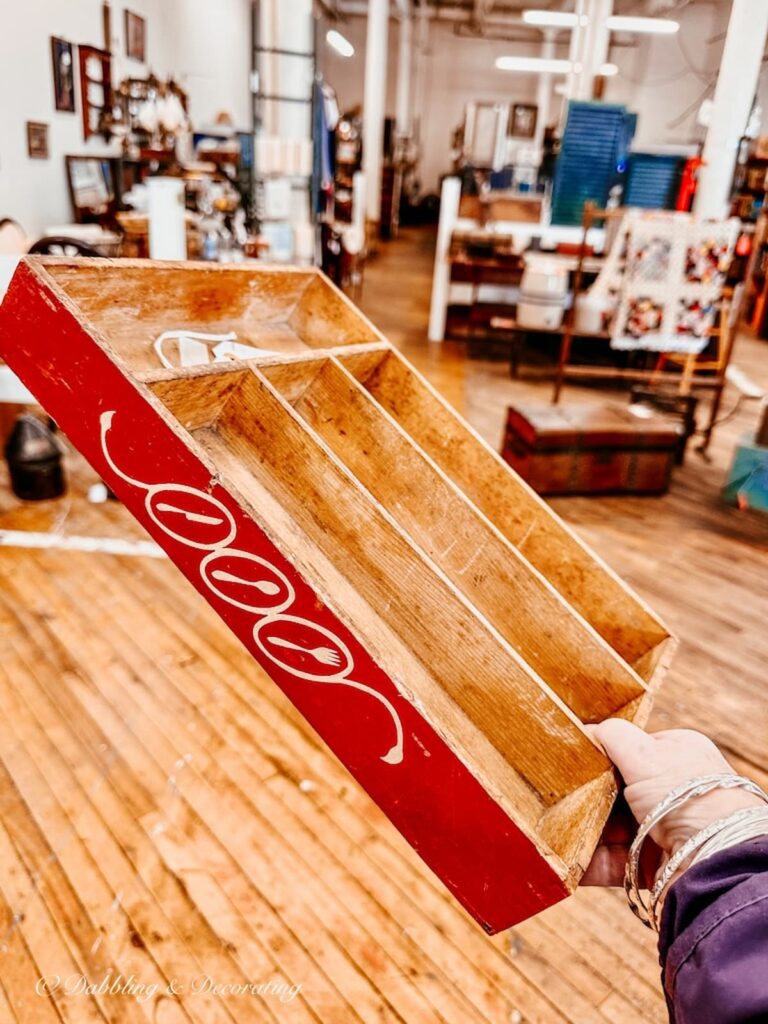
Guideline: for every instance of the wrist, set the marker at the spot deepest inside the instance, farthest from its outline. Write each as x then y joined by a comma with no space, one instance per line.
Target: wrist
698,813
685,831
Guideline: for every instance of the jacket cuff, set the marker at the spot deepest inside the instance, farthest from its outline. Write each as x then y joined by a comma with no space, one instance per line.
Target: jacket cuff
714,924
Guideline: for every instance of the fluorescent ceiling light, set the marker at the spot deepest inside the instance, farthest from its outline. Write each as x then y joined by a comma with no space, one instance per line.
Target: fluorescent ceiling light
551,19
534,65
340,44
609,70
652,26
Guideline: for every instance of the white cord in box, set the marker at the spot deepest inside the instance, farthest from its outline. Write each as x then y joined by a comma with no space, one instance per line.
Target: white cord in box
196,348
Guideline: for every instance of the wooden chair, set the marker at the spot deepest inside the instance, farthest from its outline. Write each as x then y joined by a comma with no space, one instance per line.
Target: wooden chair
13,238
60,245
702,363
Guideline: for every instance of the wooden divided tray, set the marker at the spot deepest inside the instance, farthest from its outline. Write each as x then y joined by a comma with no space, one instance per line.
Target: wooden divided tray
443,631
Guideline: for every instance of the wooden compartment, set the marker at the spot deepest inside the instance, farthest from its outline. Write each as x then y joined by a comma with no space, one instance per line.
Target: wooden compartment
589,586
279,310
590,678
437,624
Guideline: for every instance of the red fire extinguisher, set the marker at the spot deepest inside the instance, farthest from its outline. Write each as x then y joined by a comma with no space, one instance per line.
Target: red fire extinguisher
688,183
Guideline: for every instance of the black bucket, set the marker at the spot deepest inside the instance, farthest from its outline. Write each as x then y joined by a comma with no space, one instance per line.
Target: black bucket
34,460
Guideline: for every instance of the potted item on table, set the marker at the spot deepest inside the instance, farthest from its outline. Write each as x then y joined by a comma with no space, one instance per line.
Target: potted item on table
543,292
34,459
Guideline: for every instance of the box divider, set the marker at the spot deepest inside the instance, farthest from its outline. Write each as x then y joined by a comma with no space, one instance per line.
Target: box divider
258,432
553,639
588,584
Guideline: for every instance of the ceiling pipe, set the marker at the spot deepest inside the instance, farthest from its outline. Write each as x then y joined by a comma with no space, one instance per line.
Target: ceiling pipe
358,8
462,19
481,11
329,8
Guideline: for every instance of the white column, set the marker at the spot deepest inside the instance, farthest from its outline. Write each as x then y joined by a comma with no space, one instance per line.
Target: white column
166,215
373,103
590,51
598,41
441,277
544,92
576,55
404,72
734,93
358,204
420,72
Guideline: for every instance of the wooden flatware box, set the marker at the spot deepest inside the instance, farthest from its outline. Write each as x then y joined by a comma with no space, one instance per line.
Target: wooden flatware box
591,448
442,630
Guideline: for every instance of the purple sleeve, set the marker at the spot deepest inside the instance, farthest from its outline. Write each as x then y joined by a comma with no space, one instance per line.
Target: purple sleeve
713,940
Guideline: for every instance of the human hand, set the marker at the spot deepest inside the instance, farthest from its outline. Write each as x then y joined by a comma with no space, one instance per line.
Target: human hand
651,765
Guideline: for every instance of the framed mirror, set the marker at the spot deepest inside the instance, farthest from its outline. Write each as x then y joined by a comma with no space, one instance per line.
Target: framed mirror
91,182
95,90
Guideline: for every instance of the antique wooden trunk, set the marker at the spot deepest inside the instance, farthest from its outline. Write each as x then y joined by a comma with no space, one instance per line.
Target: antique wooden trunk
591,448
442,630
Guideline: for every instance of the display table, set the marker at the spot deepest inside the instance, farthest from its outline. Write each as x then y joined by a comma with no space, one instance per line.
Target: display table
11,388
521,234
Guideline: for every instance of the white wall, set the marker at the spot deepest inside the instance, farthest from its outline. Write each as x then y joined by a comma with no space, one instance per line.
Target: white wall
458,70
204,44
662,78
665,78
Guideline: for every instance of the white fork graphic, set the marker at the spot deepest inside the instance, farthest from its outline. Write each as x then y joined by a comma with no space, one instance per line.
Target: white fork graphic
325,655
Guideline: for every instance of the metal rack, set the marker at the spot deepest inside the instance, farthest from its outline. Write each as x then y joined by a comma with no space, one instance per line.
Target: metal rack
260,99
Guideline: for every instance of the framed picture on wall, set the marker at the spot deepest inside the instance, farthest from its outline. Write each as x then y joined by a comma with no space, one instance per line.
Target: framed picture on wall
63,75
523,120
135,36
95,89
37,140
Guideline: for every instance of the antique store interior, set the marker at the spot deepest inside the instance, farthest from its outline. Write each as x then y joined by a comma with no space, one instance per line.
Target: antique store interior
555,212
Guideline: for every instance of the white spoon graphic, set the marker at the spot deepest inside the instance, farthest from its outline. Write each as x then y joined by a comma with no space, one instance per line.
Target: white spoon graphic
222,576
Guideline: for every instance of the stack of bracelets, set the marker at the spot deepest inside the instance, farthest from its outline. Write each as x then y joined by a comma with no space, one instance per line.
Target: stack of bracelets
718,835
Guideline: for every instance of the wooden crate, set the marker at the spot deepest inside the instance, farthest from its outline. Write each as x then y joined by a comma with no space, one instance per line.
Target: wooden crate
591,448
442,630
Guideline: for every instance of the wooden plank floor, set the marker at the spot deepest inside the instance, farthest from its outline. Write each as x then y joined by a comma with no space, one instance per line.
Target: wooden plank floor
167,818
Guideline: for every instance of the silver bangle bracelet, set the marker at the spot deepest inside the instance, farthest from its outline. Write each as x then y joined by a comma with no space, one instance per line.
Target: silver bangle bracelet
688,790
688,849
752,828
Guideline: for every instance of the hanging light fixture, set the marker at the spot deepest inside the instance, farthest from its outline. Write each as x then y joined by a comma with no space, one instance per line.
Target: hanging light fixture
534,65
616,22
648,26
339,43
552,19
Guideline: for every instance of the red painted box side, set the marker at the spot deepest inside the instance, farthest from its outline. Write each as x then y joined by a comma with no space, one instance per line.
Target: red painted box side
459,830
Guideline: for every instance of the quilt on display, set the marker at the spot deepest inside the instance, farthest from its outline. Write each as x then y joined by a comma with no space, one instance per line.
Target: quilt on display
667,273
